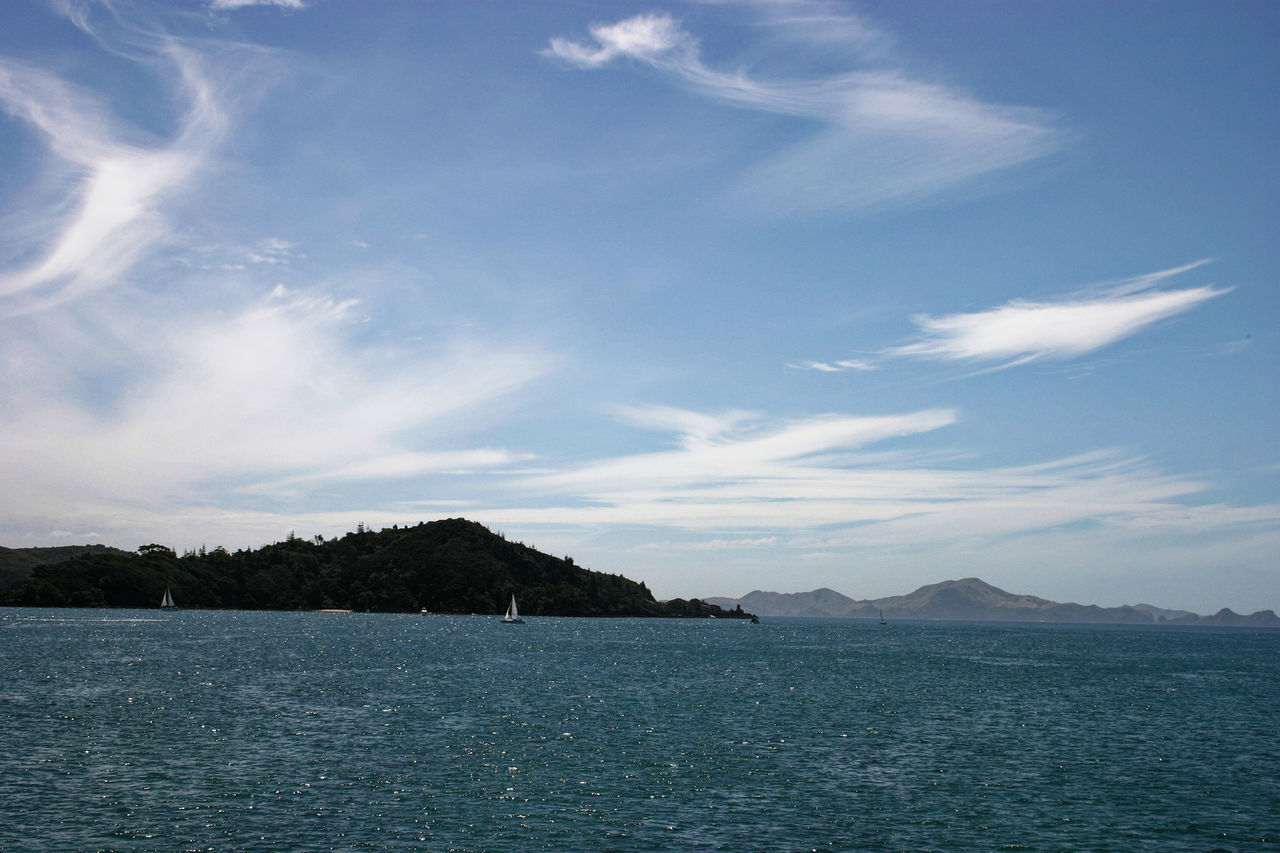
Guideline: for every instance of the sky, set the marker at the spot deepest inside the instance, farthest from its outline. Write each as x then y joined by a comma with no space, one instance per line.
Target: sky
720,296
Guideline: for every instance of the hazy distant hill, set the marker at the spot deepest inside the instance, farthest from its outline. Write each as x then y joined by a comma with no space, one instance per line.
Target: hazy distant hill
1160,614
450,566
820,602
971,599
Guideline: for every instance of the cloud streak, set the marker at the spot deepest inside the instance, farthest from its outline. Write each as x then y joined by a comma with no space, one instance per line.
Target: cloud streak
860,364
882,135
1025,331
734,447
231,5
277,399
810,478
115,177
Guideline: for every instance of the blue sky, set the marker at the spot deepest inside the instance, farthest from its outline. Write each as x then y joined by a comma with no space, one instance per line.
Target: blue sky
720,296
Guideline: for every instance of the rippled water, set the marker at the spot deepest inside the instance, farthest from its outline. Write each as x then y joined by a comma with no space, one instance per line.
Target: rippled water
142,731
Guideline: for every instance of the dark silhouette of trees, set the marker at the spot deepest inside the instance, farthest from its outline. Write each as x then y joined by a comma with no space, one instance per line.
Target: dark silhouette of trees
449,566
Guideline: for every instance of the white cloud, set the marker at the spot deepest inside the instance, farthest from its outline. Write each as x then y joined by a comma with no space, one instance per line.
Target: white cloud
278,396
229,5
807,486
882,136
733,449
872,506
816,22
649,37
835,366
1023,331
714,544
891,139
399,465
273,251
118,181
695,428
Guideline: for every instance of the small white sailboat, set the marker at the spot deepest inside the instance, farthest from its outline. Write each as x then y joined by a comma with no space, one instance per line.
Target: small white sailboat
513,614
166,603
882,622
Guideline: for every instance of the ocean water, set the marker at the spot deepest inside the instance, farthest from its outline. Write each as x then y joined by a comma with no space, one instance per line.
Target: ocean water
229,731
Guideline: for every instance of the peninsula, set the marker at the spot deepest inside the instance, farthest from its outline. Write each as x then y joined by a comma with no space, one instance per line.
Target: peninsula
448,566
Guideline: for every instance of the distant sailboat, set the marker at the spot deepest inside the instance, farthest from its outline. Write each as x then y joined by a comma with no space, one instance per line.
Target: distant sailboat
513,615
166,603
882,622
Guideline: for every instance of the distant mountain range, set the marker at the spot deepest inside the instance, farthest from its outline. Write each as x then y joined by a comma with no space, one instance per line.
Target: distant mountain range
971,599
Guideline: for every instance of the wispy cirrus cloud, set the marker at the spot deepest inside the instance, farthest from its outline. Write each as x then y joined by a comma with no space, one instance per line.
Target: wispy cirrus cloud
882,135
273,251
230,5
818,22
841,366
118,177
1024,331
735,447
811,483
278,398
399,465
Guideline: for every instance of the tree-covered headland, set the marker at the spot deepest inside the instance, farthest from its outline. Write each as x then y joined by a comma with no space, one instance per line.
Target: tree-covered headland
449,566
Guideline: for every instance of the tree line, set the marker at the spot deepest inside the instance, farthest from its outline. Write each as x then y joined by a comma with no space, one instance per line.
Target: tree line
448,566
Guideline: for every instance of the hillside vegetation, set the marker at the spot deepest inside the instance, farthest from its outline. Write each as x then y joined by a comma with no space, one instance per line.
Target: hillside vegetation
449,566
16,564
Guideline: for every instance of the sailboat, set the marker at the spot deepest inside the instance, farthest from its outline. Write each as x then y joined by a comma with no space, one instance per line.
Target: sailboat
513,615
882,622
166,603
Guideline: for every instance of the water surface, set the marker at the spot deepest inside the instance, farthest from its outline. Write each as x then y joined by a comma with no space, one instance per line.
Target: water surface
223,731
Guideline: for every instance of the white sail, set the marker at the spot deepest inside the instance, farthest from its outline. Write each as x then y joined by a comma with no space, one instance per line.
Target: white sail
513,614
167,601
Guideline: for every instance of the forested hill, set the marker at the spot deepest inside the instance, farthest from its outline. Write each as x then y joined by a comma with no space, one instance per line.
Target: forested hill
450,566
16,563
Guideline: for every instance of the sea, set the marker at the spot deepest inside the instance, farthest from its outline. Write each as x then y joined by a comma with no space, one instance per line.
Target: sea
265,731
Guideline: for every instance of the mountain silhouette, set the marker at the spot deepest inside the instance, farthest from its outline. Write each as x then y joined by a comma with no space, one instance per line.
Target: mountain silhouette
972,599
